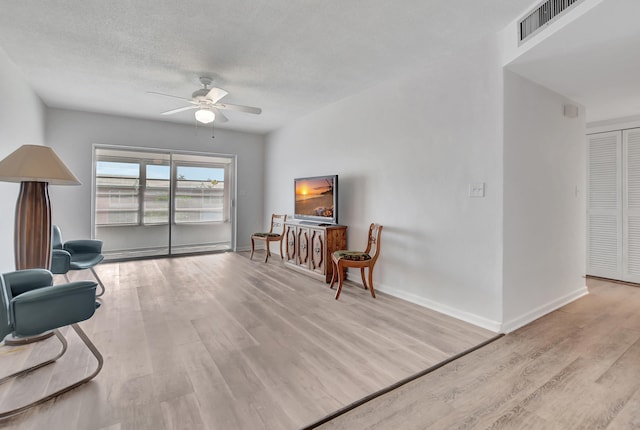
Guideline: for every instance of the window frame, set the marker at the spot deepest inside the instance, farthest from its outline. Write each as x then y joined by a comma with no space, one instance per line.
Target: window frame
225,206
228,200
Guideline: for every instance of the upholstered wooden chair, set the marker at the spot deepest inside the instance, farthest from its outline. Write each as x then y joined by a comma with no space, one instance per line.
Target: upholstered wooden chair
344,259
275,234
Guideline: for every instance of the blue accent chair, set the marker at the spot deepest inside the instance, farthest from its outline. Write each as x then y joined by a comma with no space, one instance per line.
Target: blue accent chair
33,306
75,255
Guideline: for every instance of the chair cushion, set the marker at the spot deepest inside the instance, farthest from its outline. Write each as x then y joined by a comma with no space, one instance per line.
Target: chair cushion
47,308
352,255
21,281
266,234
84,261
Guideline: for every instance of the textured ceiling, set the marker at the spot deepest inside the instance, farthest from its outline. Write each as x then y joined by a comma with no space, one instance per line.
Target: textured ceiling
287,57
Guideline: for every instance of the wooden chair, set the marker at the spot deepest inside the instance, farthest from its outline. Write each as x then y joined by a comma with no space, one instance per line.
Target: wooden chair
277,223
344,259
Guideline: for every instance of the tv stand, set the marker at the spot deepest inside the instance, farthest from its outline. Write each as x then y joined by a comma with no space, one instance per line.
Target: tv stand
309,247
316,223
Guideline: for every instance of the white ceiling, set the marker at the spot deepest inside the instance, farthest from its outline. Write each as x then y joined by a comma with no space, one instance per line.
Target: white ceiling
594,60
287,57
293,57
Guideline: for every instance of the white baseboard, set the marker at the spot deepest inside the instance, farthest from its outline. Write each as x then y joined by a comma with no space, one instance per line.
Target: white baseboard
477,320
540,311
494,326
259,247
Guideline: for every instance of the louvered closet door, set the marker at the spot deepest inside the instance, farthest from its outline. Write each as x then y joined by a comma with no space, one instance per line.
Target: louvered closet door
631,205
604,205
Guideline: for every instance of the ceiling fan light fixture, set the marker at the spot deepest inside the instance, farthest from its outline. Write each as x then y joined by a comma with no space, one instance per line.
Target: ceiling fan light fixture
205,116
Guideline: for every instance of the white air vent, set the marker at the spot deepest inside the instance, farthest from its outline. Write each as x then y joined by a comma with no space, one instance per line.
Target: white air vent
545,13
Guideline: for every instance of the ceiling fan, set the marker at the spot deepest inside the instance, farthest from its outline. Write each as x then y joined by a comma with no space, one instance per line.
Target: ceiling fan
207,101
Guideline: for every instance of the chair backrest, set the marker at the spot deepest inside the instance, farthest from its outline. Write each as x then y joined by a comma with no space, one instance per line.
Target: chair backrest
277,224
5,298
56,237
373,244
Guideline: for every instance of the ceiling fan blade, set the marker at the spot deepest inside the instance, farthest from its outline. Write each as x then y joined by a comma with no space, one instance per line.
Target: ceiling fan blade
215,94
219,115
169,95
170,112
239,108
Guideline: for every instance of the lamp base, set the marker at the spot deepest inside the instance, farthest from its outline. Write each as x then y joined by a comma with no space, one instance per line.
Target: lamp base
32,234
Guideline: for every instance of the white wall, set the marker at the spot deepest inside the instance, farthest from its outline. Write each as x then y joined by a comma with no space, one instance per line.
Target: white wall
405,153
21,122
544,202
72,134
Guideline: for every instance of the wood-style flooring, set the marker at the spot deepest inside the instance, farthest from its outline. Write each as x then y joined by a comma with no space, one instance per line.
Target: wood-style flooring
576,368
222,342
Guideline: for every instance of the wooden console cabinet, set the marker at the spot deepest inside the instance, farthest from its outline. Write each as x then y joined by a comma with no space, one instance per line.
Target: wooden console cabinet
309,247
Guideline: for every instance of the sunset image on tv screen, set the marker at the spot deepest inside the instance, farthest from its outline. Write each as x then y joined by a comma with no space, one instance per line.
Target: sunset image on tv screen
314,197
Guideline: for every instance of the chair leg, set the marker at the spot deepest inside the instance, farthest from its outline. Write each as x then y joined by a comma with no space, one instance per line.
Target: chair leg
99,281
364,282
268,251
281,254
373,294
334,275
341,278
252,248
62,340
95,353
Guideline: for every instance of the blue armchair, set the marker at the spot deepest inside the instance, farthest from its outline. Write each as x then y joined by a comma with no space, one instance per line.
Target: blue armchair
32,305
75,255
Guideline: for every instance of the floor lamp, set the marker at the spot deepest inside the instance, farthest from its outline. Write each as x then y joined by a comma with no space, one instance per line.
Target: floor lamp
35,167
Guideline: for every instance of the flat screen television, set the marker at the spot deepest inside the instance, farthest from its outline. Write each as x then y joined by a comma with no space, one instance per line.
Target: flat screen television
316,199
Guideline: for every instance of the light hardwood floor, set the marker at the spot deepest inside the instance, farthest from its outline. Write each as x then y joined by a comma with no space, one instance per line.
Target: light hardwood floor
222,342
576,368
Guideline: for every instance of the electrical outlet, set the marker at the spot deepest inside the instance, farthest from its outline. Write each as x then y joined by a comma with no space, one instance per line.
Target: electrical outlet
476,190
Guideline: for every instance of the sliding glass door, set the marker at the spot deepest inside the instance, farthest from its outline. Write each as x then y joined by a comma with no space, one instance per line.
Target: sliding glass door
202,203
153,202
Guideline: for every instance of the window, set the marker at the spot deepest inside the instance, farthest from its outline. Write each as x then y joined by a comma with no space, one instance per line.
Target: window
156,194
145,188
152,202
199,194
117,192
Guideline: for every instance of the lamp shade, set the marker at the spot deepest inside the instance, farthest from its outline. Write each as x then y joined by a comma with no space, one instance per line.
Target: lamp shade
36,163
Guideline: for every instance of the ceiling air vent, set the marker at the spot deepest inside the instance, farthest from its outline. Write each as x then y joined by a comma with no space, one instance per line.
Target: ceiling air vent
545,13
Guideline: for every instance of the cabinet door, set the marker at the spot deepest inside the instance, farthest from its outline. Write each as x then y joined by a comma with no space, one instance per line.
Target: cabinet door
302,239
318,251
291,247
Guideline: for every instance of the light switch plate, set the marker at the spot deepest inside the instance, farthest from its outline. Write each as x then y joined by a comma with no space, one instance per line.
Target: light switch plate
476,190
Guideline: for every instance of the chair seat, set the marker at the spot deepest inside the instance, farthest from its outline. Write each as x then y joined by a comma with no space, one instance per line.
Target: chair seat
85,261
352,255
267,234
